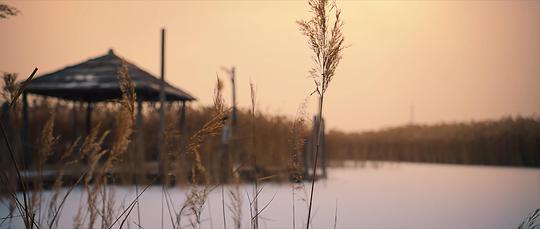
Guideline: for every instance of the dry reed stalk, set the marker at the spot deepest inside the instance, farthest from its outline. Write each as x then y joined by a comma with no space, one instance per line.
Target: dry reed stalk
172,138
46,144
91,148
209,129
125,120
196,196
326,42
54,206
23,209
255,210
235,200
92,151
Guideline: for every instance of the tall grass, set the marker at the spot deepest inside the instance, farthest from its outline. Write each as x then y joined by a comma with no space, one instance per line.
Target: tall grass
325,39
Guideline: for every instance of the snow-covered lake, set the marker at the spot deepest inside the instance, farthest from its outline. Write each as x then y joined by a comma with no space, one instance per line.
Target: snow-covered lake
390,195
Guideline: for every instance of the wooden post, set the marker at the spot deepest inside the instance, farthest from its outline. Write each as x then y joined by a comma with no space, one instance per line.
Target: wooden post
161,147
305,157
233,78
323,161
139,149
232,75
75,126
314,142
138,121
183,118
322,149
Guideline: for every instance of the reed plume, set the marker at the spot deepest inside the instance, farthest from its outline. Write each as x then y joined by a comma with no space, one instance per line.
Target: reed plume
8,11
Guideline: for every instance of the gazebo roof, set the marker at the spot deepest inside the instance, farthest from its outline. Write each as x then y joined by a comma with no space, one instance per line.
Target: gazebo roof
97,80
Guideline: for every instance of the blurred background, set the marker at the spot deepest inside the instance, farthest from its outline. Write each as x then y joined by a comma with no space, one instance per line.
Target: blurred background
431,121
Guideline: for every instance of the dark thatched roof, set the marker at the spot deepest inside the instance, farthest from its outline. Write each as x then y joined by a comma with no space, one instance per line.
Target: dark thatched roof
97,80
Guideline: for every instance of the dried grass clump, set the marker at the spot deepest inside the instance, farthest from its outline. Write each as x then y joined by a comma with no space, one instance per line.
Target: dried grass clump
92,149
197,195
209,129
125,118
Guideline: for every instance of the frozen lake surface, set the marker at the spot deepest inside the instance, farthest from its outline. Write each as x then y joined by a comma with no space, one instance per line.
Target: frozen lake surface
389,195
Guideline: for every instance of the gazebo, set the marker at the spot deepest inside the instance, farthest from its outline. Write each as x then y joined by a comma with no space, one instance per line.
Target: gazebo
96,80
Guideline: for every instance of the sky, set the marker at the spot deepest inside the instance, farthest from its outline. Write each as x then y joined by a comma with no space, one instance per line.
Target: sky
450,60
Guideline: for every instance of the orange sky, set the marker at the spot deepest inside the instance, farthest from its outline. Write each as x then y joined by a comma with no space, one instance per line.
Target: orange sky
454,60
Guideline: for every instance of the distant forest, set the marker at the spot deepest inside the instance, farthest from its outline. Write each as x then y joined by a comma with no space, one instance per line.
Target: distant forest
508,141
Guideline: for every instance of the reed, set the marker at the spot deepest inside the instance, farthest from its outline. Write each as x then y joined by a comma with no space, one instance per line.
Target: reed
325,39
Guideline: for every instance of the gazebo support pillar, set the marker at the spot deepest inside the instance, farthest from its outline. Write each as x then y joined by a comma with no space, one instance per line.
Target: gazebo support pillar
138,121
75,126
183,118
89,108
138,158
